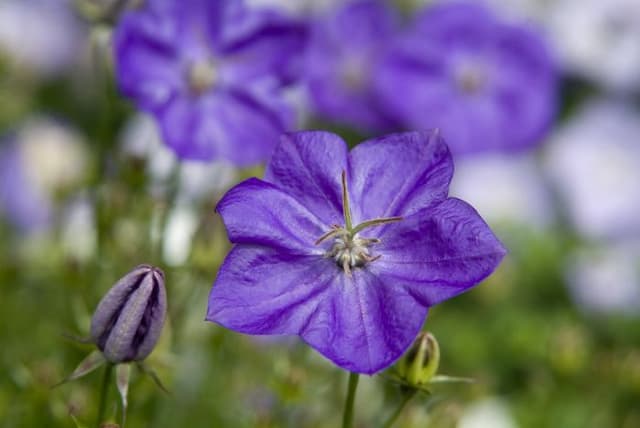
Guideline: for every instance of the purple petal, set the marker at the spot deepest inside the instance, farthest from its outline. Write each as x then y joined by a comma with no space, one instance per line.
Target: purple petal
308,165
359,323
147,66
264,291
231,125
258,213
366,323
263,45
439,252
398,174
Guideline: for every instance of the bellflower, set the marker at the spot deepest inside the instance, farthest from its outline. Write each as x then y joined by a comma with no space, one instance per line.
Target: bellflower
599,40
22,203
593,163
488,84
212,74
342,59
348,250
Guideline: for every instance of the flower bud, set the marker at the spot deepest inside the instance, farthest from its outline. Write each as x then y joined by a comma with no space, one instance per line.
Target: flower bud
421,362
129,318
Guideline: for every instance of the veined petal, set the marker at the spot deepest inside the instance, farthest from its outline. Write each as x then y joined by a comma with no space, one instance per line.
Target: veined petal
265,291
365,323
258,213
308,165
398,174
438,253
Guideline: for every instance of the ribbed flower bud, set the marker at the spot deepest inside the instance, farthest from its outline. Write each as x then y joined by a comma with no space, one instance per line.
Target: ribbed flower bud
129,318
421,362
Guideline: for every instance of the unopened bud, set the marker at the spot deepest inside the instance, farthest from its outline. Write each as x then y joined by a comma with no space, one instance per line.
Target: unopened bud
129,318
421,361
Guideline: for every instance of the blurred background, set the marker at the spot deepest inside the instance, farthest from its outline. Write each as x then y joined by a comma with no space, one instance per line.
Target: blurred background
88,190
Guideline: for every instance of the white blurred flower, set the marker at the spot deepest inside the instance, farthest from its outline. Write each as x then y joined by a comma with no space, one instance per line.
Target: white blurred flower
181,225
203,180
79,235
599,39
487,413
298,7
55,155
606,280
504,189
141,138
594,161
43,36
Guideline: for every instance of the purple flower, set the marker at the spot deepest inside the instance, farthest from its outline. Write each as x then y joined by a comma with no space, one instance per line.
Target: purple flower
212,74
22,202
342,59
489,85
349,250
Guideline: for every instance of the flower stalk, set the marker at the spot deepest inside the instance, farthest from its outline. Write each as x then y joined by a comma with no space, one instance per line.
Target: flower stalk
406,397
347,417
104,392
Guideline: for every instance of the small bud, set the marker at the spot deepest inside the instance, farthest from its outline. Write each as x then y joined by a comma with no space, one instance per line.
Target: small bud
129,318
420,363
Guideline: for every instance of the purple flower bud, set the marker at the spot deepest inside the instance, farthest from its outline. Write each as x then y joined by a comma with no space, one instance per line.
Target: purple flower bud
128,321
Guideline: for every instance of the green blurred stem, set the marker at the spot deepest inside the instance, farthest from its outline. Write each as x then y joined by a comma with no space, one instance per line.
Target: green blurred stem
104,392
407,396
347,418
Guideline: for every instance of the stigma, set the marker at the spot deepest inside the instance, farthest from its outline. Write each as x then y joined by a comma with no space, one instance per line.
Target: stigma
349,251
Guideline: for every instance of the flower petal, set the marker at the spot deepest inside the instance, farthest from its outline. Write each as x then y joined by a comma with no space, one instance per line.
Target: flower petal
439,252
398,174
229,124
366,323
262,44
147,66
265,291
308,165
359,323
258,213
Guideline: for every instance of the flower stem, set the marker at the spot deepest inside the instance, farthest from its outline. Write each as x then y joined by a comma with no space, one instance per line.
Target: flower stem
407,396
104,392
347,418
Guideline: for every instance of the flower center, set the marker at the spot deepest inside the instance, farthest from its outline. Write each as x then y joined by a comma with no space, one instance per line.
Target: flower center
349,250
470,79
201,76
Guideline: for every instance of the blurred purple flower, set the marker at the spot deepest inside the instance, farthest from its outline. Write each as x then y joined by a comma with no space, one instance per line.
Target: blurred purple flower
594,163
505,189
41,36
488,84
212,74
599,40
349,250
342,59
605,280
23,203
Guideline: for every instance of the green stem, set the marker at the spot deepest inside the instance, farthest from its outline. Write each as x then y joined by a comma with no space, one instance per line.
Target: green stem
104,392
347,418
407,396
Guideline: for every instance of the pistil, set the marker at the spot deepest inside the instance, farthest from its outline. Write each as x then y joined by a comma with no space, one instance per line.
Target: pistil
350,250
